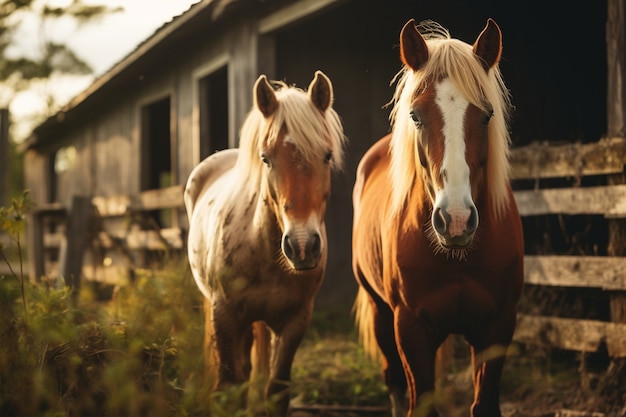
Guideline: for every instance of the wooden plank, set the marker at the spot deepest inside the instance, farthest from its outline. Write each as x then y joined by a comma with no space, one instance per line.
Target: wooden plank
616,339
608,273
170,197
77,238
112,206
154,240
574,413
609,201
292,13
122,205
571,334
616,68
617,247
543,160
616,126
562,333
167,238
35,231
618,307
50,209
111,274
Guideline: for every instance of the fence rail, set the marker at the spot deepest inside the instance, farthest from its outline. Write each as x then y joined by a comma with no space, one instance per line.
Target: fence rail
97,237
73,228
608,273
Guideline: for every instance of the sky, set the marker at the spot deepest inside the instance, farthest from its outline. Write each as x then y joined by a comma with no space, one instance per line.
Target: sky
101,44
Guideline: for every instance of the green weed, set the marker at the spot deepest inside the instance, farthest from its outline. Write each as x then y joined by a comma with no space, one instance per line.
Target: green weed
140,352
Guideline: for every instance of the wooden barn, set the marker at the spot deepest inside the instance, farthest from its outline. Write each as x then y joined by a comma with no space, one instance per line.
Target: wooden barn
127,144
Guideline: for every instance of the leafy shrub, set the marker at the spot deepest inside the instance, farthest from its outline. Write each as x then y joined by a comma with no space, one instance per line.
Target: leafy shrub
140,353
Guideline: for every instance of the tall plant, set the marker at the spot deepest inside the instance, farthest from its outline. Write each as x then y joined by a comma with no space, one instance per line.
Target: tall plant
12,223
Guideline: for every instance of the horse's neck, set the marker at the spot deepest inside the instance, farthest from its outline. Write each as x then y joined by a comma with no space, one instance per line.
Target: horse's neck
417,207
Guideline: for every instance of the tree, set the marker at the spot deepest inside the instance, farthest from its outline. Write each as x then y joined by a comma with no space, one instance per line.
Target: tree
19,72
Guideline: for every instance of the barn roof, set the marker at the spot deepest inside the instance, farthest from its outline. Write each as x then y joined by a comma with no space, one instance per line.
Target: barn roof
201,18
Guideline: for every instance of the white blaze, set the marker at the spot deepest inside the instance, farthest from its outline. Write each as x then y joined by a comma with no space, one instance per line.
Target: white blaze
456,189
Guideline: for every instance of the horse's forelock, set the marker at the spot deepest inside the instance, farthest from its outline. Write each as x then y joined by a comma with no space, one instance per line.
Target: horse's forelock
304,123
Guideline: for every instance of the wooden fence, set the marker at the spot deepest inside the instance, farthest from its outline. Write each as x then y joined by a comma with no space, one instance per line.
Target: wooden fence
62,239
102,238
537,162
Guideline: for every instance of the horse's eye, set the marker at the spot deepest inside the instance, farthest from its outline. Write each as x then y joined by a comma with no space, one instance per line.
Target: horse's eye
265,160
416,120
488,117
328,157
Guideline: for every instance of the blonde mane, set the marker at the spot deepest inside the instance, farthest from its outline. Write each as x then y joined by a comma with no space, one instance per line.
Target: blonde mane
453,59
312,131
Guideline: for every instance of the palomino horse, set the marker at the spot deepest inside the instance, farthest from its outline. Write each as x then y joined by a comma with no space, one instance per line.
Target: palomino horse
257,238
437,238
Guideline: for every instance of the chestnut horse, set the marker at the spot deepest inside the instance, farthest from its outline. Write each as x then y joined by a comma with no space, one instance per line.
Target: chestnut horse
257,239
437,238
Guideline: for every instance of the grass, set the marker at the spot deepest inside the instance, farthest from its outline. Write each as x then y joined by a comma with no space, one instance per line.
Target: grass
140,354
334,370
136,355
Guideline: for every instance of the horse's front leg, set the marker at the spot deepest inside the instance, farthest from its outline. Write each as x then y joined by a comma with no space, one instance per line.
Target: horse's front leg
286,342
393,369
418,339
232,341
488,357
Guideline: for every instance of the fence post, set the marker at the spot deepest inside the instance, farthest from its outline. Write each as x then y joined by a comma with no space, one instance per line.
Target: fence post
78,230
35,231
616,127
4,157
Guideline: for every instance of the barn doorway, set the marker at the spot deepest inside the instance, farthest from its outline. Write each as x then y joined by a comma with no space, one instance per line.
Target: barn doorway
156,153
213,107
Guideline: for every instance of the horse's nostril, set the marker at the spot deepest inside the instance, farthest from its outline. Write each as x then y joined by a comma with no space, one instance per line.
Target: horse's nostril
316,245
439,221
472,223
288,248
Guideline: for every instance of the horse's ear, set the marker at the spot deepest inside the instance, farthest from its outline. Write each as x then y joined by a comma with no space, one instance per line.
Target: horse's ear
413,49
488,45
264,96
321,91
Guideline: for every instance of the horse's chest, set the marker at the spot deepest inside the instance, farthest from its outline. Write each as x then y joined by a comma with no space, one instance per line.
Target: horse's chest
258,284
450,294
268,295
243,267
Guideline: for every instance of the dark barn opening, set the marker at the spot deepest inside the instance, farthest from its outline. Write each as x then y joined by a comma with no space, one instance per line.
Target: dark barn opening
156,156
214,112
156,153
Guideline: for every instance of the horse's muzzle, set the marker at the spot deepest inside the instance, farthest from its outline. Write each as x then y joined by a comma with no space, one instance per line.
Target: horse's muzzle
303,250
455,228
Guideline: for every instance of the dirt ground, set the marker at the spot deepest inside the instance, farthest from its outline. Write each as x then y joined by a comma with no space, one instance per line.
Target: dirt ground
536,383
551,383
569,385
